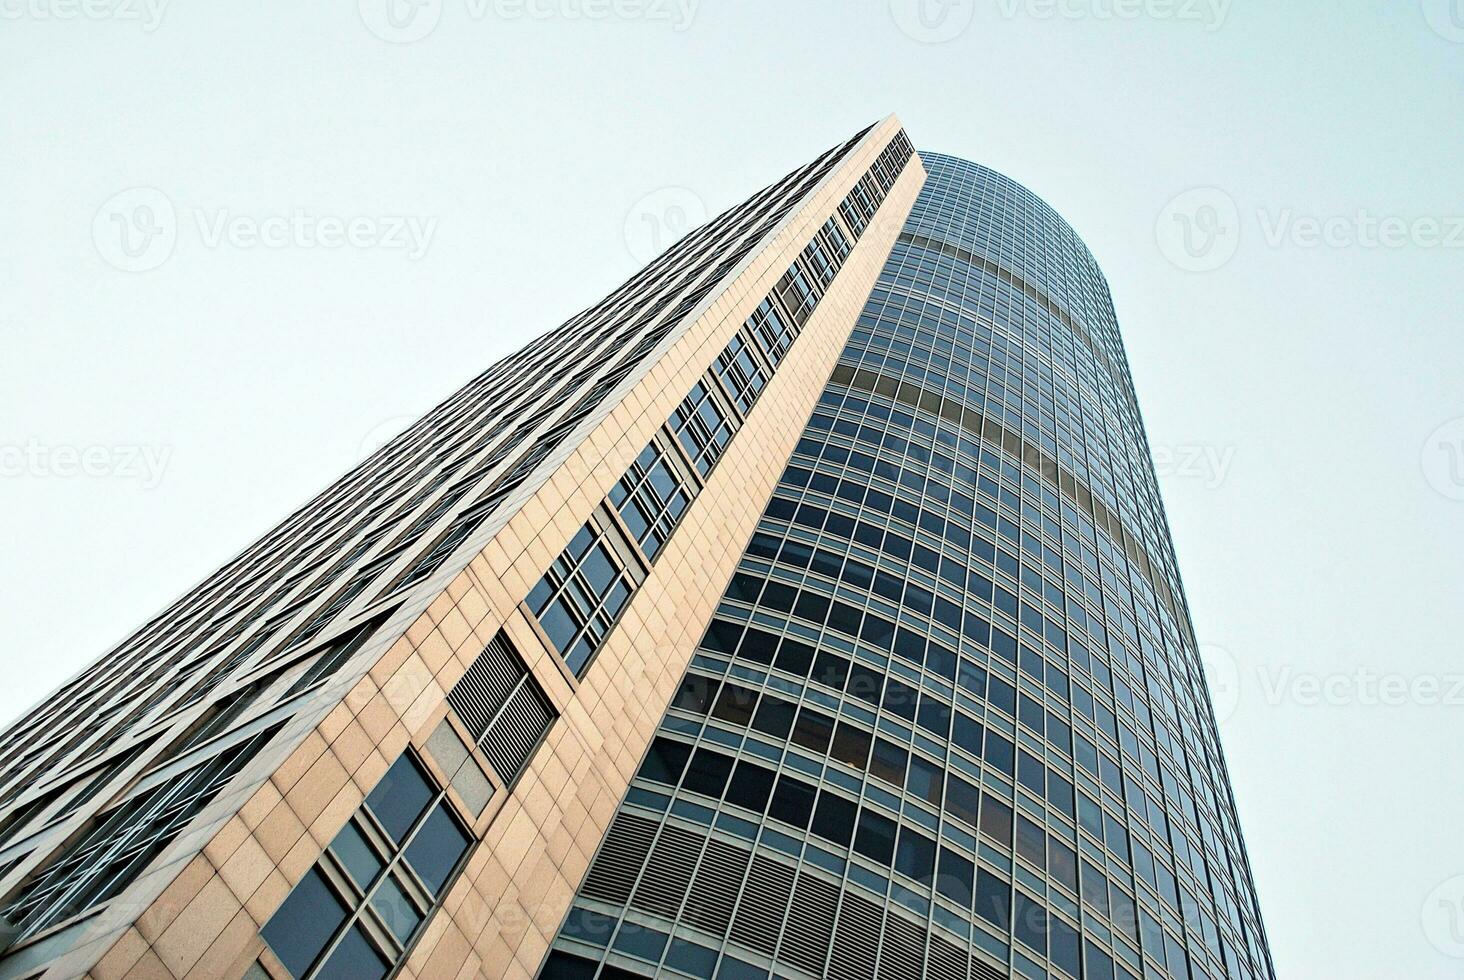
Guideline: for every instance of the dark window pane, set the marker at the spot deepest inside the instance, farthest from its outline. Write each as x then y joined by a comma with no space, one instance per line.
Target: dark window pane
851,745
751,786
735,704
688,957
1029,922
775,717
956,878
401,796
876,837
888,762
993,898
915,856
707,773
834,818
792,801
813,731
359,859
437,847
665,761
304,923
696,693
354,959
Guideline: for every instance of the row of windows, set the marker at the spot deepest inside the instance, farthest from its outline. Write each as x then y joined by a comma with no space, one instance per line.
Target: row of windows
585,589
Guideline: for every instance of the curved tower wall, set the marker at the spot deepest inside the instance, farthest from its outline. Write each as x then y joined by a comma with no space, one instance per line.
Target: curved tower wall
948,719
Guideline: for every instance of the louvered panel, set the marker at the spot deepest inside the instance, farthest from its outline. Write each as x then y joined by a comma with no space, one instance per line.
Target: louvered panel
981,970
856,945
667,876
515,733
715,887
810,929
483,690
764,901
945,961
903,955
619,861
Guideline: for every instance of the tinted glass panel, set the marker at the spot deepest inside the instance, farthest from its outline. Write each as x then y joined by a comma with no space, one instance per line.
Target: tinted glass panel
305,922
438,846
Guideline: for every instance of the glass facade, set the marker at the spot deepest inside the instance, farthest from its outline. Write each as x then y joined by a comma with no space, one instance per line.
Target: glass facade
949,719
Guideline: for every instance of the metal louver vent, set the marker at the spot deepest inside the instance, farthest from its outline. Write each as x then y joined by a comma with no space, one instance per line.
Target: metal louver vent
980,970
503,707
486,686
715,887
810,928
903,955
764,899
668,872
855,948
946,962
618,864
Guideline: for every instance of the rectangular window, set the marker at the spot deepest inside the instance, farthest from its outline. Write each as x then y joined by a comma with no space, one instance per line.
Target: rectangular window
703,427
772,330
651,498
742,376
582,595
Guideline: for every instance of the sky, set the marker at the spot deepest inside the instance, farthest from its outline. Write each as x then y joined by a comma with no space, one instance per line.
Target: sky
243,244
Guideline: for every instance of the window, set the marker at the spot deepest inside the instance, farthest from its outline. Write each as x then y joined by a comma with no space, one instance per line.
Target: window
741,375
651,498
703,427
581,595
356,914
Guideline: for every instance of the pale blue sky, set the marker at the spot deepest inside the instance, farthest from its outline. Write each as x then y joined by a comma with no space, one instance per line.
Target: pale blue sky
1293,392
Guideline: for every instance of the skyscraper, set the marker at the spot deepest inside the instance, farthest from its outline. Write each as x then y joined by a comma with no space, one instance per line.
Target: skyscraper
820,567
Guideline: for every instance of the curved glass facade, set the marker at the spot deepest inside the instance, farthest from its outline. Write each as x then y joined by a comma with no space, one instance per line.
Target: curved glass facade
949,720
